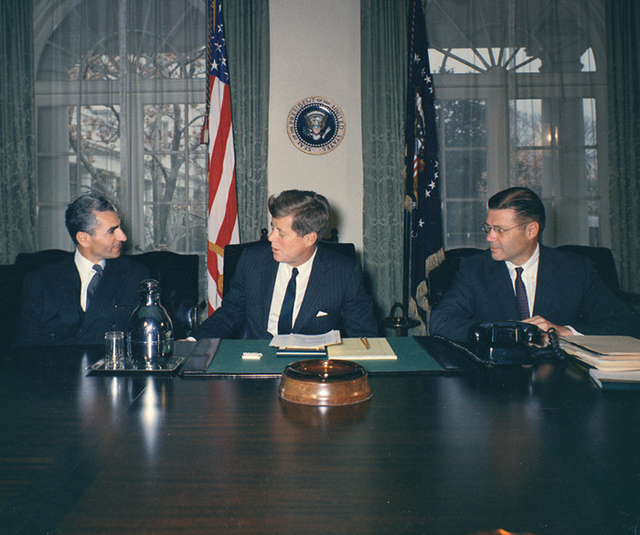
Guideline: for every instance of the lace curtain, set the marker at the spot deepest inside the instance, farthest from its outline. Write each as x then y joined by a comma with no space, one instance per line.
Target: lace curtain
17,131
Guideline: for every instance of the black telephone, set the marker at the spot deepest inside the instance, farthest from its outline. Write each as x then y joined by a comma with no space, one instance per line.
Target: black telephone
506,342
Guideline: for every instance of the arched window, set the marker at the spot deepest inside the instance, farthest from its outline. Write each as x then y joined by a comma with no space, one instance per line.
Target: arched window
521,97
120,92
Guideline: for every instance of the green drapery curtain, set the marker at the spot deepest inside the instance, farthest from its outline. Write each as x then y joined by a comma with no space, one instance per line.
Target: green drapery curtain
17,130
623,64
247,26
384,46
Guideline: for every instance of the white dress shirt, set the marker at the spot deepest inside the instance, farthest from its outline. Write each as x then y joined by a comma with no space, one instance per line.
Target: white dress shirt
86,272
529,276
280,287
530,279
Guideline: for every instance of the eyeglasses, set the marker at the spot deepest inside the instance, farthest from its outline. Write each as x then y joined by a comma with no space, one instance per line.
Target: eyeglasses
499,231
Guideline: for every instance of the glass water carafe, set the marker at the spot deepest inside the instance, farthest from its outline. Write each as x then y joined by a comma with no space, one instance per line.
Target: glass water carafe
150,331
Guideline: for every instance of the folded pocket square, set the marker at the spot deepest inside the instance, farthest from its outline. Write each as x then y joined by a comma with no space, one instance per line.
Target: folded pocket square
320,314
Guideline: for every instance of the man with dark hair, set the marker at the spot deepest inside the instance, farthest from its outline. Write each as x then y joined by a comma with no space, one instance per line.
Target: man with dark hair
526,205
293,284
77,300
520,279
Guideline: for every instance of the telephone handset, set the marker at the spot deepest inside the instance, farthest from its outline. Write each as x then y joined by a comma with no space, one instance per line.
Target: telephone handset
510,342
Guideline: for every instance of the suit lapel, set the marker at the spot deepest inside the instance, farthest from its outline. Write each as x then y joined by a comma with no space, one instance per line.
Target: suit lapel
267,283
112,278
545,284
317,282
500,288
67,293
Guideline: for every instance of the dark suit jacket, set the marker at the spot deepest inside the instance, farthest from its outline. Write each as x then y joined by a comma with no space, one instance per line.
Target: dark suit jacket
335,298
50,306
568,292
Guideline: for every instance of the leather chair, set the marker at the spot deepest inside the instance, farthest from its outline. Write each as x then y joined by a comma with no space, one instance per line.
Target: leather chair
11,282
31,261
176,273
441,278
602,261
11,277
178,278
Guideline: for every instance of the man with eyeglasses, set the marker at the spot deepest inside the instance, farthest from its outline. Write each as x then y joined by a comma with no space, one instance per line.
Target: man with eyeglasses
518,278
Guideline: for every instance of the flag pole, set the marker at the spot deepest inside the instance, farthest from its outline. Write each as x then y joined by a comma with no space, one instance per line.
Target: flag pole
406,276
402,323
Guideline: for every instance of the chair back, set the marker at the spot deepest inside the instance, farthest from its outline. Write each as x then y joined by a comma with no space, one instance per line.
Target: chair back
11,277
31,261
11,282
439,279
232,254
602,261
178,278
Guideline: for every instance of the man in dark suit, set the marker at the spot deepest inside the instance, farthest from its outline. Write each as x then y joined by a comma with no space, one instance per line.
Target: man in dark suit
325,287
520,279
77,300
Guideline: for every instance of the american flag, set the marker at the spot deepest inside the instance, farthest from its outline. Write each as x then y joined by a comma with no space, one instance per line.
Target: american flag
423,193
218,133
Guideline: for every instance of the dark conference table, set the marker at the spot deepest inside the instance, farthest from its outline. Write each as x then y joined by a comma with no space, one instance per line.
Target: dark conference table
539,451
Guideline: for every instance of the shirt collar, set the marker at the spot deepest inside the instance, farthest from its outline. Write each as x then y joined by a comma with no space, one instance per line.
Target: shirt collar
303,269
84,265
533,260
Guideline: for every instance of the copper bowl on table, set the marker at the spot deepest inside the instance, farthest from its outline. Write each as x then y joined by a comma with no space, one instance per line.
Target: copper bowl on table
324,382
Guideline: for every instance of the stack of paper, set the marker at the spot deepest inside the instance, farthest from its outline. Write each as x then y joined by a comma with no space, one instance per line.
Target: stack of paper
614,360
304,345
305,341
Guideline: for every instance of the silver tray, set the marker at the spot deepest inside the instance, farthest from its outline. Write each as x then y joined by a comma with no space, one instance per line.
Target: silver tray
161,367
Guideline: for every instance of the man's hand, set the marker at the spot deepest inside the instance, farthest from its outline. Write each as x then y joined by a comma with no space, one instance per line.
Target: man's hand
545,325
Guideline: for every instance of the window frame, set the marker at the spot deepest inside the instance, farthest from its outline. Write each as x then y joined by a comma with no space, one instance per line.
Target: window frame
188,92
496,88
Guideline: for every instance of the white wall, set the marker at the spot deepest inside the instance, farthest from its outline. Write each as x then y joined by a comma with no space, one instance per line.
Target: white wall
315,52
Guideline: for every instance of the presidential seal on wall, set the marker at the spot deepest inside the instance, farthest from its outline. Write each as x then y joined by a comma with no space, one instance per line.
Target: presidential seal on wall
316,125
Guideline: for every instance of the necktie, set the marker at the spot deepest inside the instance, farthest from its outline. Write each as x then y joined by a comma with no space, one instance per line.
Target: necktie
521,295
93,283
285,322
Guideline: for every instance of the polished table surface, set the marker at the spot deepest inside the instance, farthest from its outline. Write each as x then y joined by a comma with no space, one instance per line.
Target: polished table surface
539,451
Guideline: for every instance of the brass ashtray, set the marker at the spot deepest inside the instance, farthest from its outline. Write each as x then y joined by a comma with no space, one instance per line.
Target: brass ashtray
324,382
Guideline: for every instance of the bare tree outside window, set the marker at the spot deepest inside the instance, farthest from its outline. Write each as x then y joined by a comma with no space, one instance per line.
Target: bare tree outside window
132,120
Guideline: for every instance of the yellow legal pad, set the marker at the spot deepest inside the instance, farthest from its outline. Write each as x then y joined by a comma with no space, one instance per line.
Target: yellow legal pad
354,349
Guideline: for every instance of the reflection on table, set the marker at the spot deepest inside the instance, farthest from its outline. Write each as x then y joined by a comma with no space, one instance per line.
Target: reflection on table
538,451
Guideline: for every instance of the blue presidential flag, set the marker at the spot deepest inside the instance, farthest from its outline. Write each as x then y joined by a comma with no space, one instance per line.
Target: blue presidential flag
422,188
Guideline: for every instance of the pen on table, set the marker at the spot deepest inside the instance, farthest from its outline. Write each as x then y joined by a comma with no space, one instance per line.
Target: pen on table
365,343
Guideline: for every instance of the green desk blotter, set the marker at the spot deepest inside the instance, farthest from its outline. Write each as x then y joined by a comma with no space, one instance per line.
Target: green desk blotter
228,359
